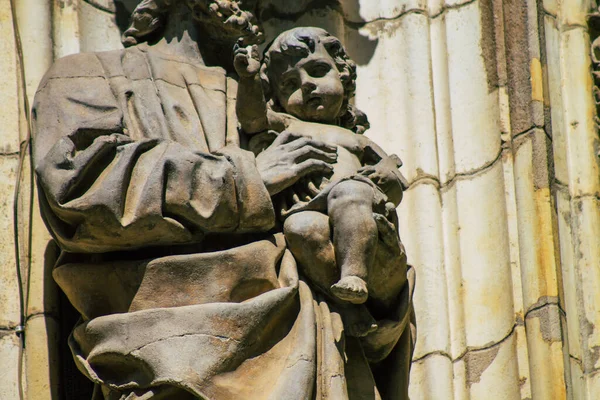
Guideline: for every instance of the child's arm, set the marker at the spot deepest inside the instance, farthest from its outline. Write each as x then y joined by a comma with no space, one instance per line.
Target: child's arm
383,170
251,107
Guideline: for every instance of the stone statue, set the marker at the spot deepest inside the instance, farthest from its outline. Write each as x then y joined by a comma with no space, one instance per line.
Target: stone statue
309,76
171,246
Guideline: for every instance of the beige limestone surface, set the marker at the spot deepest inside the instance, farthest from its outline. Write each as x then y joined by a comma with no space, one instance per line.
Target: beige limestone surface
502,221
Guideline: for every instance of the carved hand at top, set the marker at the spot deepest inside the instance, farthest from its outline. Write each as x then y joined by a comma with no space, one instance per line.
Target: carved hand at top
246,61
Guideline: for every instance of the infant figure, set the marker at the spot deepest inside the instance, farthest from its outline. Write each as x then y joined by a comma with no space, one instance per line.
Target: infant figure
304,86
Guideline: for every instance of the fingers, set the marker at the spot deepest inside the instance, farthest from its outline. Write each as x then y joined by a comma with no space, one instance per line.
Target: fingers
308,151
302,194
308,142
366,170
238,45
240,57
241,60
295,198
294,141
312,188
286,137
377,178
313,166
254,52
222,8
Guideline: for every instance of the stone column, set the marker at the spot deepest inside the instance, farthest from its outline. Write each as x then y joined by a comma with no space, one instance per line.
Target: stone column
11,123
576,187
480,71
96,25
42,326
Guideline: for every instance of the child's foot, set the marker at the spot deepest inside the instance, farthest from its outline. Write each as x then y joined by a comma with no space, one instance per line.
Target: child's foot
351,289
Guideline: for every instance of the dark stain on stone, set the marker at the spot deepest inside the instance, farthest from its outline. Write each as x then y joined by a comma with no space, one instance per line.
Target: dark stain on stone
518,60
596,146
522,381
549,318
543,157
593,359
586,330
4,333
478,361
488,43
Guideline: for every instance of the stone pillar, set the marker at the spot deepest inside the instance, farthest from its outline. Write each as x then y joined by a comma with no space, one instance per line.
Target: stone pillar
97,28
577,188
41,328
11,123
495,323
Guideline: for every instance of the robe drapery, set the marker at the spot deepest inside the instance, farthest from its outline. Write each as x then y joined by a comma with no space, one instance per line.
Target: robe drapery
171,252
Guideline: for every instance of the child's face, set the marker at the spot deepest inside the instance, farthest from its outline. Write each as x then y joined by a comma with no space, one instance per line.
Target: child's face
309,88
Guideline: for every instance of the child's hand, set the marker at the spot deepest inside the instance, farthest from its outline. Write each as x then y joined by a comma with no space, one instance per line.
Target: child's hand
385,174
246,61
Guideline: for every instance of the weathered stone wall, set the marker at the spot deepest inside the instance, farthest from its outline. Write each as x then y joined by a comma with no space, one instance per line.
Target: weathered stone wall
488,102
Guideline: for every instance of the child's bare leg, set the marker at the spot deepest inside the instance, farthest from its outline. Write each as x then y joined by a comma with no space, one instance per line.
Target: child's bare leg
308,237
350,209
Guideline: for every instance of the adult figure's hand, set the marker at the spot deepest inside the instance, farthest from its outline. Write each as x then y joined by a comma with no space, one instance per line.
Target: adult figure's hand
291,157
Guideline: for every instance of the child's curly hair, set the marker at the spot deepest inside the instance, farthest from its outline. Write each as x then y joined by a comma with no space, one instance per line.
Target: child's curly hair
301,42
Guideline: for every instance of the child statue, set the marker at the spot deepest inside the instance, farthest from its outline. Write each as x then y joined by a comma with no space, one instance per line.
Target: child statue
304,85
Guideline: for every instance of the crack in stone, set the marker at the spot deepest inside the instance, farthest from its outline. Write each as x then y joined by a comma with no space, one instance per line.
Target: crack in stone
530,131
580,363
434,181
586,196
452,7
548,13
547,301
564,187
358,25
560,185
334,6
106,8
433,353
8,328
469,349
301,358
474,172
489,346
43,314
218,337
424,179
576,359
571,27
9,154
550,324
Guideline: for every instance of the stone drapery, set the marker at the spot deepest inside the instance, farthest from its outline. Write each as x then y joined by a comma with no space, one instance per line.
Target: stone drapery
168,251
